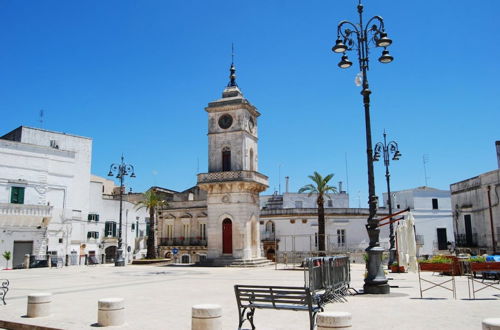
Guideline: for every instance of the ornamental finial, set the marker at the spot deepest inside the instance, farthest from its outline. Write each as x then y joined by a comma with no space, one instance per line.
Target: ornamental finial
232,70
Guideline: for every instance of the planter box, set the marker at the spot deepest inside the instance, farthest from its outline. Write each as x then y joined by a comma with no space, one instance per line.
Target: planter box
485,266
397,269
430,267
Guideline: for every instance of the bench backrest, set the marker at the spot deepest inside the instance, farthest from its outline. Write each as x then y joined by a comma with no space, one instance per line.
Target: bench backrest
273,296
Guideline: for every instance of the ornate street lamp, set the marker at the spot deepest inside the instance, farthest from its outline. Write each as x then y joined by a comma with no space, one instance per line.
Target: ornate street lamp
121,170
361,37
388,149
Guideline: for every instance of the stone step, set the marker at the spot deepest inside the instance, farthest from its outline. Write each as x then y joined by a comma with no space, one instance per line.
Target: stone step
234,262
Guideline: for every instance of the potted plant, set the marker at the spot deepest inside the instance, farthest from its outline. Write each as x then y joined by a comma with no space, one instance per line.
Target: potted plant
7,255
437,264
395,267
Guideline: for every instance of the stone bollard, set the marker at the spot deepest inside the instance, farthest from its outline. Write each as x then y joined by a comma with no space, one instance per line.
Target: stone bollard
26,262
39,304
111,311
491,324
333,320
206,317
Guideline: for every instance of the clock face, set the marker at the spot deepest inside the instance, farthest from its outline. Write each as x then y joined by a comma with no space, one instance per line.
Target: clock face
225,121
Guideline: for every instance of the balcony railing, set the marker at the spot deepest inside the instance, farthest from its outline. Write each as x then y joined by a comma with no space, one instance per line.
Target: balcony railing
26,210
183,241
463,241
268,236
232,176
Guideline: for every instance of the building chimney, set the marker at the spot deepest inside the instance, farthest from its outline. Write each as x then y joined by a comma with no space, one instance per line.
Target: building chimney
287,178
498,152
340,187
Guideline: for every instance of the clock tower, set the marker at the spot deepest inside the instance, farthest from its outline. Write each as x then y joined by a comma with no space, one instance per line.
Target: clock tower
233,182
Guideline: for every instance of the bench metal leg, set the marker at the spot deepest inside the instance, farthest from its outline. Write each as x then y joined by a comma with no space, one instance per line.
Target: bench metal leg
249,317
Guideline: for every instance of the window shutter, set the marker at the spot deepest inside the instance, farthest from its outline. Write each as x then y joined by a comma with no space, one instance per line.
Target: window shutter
89,217
97,217
89,234
96,234
114,229
21,195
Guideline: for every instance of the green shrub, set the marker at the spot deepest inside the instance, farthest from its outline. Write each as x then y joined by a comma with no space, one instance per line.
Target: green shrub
437,260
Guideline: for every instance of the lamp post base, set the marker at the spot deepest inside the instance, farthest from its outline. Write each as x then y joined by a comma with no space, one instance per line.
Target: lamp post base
376,288
375,281
120,262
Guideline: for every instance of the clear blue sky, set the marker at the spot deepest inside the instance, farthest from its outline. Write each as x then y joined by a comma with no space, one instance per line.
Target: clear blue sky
135,76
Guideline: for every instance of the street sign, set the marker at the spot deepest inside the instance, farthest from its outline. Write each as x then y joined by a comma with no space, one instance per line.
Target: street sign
175,250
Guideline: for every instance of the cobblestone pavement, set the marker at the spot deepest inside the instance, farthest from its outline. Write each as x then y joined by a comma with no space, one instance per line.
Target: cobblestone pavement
160,297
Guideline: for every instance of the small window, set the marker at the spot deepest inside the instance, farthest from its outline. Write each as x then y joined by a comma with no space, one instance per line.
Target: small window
261,222
435,205
292,220
304,220
60,241
133,226
93,217
93,234
110,229
330,203
298,204
17,195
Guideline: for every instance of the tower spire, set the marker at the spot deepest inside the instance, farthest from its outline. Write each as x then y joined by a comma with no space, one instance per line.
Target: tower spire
232,70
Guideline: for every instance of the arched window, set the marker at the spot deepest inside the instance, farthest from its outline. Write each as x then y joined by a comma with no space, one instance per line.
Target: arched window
270,227
226,159
251,160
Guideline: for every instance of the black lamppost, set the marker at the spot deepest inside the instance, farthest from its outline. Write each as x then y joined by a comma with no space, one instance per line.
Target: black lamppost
360,37
121,170
386,149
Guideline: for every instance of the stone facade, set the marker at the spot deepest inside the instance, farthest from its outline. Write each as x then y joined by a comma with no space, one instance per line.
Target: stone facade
476,212
232,182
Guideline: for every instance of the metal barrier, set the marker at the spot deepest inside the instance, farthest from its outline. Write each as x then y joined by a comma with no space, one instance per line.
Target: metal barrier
328,278
295,259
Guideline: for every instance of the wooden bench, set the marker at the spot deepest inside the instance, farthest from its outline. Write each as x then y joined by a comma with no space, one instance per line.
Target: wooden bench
4,288
252,297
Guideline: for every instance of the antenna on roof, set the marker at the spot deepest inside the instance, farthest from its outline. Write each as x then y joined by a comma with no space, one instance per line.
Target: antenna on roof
41,118
425,160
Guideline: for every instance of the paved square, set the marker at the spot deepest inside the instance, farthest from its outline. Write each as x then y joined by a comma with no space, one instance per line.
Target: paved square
160,297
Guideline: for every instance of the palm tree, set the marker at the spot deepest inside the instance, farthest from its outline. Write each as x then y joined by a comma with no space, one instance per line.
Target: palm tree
151,202
7,255
320,187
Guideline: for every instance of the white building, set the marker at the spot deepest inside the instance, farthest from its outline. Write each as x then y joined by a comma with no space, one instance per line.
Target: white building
289,223
431,209
47,199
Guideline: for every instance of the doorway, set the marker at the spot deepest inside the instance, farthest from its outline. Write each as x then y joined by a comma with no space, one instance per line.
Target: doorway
442,239
227,236
20,249
110,254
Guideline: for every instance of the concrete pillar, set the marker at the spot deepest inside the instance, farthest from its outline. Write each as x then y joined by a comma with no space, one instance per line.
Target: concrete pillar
39,304
26,261
111,311
491,324
333,320
206,317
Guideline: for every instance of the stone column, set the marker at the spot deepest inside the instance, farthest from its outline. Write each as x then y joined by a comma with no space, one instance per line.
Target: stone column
111,311
333,320
491,324
206,317
39,304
